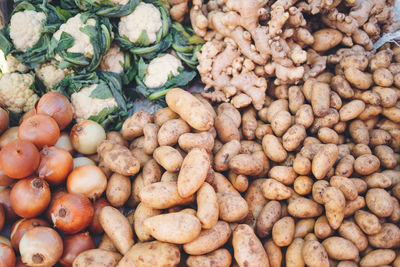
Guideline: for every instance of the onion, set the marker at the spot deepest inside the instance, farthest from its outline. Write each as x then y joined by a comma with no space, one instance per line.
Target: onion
5,240
10,135
64,142
80,161
4,120
5,180
95,226
30,197
74,245
20,263
54,196
27,115
86,135
72,213
41,246
22,226
55,165
2,217
19,159
5,201
41,130
7,256
56,106
88,180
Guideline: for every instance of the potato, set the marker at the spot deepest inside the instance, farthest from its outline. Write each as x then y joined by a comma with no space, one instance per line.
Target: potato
379,202
133,126
386,156
378,257
176,227
335,100
255,201
359,132
190,109
388,96
170,131
168,157
283,174
388,237
260,157
232,207
188,141
339,248
304,116
318,189
381,59
209,239
225,154
368,222
324,160
249,147
379,137
118,158
320,98
218,258
395,217
153,253
193,172
273,148
293,137
358,78
322,229
275,190
248,248
226,129
162,195
274,253
231,112
326,39
141,156
301,165
267,217
117,227
141,213
207,206
239,181
370,112
281,122
301,207
245,164
163,115
97,258
353,233
335,203
327,136
137,186
118,189
303,185
303,227
342,87
366,164
294,256
345,166
263,129
249,123
329,120
116,137
150,132
392,113
283,231
378,180
107,244
206,104
345,185
351,110
296,98
314,254
275,107
383,77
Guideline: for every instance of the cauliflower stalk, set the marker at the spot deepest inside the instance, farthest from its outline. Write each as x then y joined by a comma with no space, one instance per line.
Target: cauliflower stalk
16,92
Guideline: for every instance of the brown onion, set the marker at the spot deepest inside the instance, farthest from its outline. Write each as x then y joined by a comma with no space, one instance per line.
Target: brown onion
88,180
28,114
20,263
55,164
5,201
42,130
95,227
4,120
57,106
5,180
5,240
72,213
86,135
22,226
10,135
41,246
19,159
80,161
2,217
30,197
74,245
7,256
54,196
64,142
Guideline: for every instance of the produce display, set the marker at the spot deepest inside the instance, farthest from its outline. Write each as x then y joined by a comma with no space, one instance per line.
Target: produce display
288,157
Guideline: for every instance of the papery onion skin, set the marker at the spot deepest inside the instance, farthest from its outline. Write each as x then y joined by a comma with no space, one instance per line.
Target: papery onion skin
9,135
4,120
57,106
22,226
74,245
30,197
54,196
5,180
7,256
5,201
42,130
95,227
55,165
19,159
64,142
27,115
88,180
86,135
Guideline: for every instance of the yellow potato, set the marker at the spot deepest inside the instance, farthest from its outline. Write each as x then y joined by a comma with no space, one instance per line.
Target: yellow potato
170,131
188,141
283,174
239,181
118,190
163,115
335,204
133,126
225,154
107,244
218,258
328,136
207,206
378,180
249,147
150,132
273,148
274,253
232,206
342,87
345,185
339,248
97,258
249,123
324,160
296,98
231,111
301,165
353,233
255,201
318,189
322,229
141,156
275,190
168,157
345,166
116,137
245,164
357,78
301,207
320,99
226,129
303,185
388,237
386,156
326,39
304,116
378,257
283,231
303,227
293,137
379,202
314,254
267,217
137,186
294,256
281,122
141,213
368,222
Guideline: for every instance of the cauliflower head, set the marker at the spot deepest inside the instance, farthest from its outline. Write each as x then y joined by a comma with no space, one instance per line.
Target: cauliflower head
15,92
117,2
160,68
50,74
85,106
10,64
114,60
26,28
145,17
82,42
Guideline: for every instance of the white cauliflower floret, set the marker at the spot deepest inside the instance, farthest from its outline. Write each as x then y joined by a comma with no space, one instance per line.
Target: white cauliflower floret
117,2
26,28
114,60
84,106
50,74
10,64
82,42
160,68
15,92
145,17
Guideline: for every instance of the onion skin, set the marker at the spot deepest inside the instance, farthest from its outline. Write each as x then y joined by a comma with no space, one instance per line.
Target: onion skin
2,217
56,106
41,246
19,159
88,180
86,135
95,227
64,142
5,180
55,164
20,263
4,120
7,256
5,201
42,130
30,197
22,226
54,196
28,114
9,135
80,161
74,245
72,213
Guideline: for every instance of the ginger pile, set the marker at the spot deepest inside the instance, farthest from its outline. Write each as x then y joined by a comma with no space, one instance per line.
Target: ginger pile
249,42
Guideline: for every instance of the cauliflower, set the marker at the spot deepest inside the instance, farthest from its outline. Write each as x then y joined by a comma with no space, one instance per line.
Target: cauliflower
82,42
85,106
160,68
26,28
117,2
15,92
145,17
10,64
50,74
113,61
